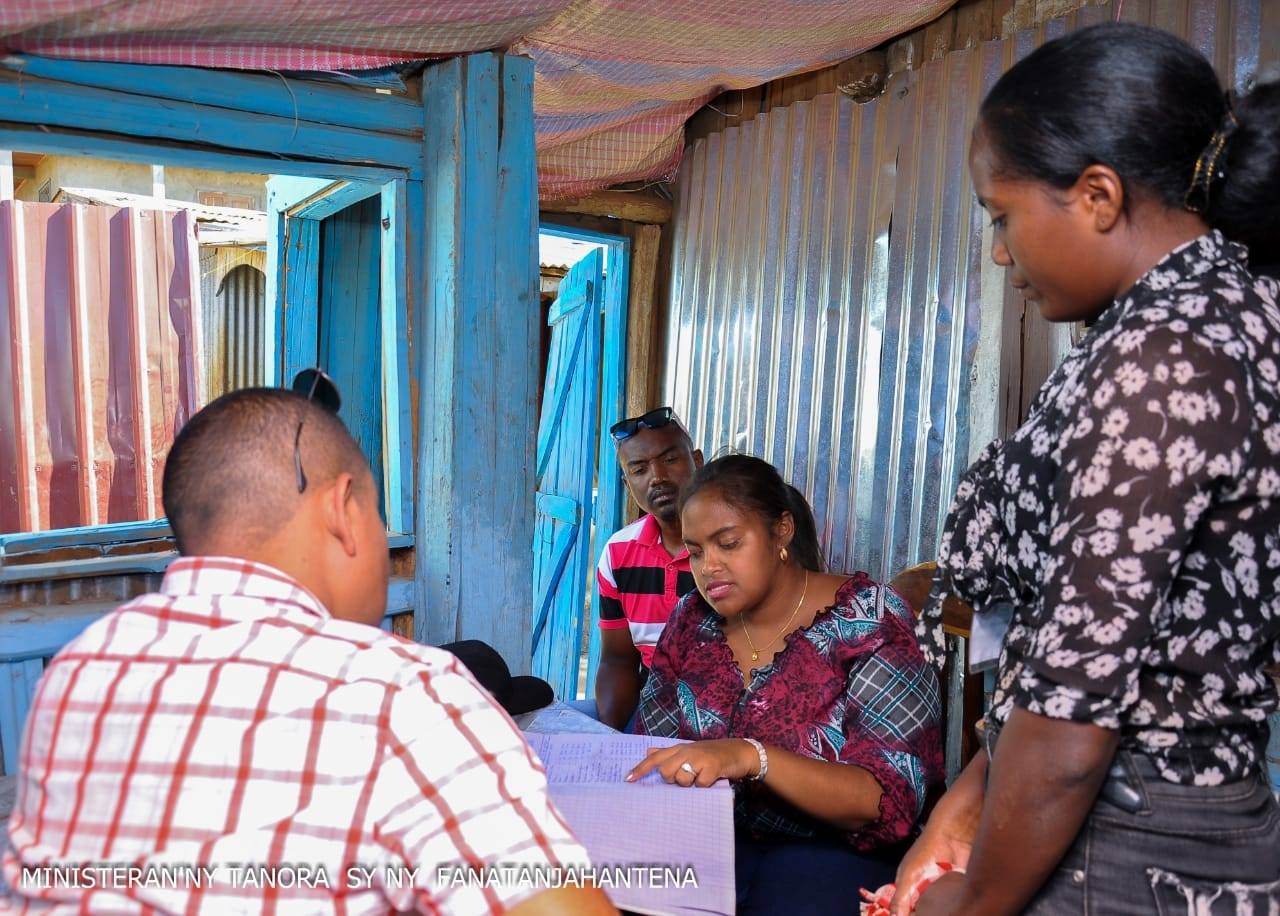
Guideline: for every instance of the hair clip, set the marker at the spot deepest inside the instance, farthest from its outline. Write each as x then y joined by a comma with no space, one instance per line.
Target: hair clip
1207,171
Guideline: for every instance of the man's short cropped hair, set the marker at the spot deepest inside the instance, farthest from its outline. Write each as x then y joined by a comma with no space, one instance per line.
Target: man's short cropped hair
231,468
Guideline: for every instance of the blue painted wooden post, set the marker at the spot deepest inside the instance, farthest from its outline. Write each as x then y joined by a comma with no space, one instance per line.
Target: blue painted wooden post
397,424
298,343
292,255
475,334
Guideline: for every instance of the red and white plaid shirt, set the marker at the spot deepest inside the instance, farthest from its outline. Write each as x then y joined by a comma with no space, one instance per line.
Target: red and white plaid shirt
229,721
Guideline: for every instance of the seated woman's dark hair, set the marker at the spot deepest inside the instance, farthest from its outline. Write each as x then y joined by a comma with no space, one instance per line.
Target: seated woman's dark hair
753,485
1148,105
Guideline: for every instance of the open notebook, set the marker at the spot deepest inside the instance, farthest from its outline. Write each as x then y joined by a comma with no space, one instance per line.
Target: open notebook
672,845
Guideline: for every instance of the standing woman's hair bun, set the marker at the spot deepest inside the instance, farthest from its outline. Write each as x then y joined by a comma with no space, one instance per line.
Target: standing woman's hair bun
1245,203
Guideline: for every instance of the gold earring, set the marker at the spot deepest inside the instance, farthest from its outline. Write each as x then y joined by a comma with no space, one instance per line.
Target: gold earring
782,555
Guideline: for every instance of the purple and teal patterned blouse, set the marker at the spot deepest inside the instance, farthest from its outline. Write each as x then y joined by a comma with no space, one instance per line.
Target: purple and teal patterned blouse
852,687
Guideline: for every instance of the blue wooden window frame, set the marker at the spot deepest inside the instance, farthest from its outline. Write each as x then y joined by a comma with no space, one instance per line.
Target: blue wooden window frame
236,122
297,205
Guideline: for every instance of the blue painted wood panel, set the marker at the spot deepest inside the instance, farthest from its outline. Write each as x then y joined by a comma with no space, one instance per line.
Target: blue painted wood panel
350,326
54,140
397,420
300,309
115,533
306,100
33,100
567,446
610,496
473,335
87,566
610,493
17,686
334,197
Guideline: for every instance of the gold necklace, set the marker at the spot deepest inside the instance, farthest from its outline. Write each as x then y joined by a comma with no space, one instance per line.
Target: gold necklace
755,653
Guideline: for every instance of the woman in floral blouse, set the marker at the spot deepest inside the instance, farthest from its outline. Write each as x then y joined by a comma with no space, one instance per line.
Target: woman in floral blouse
808,690
1133,522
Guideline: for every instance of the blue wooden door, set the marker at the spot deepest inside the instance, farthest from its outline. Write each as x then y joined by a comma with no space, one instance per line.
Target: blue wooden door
350,327
331,310
567,438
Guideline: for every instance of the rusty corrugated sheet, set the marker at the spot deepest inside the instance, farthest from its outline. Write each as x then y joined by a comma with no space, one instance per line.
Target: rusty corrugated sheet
833,308
100,363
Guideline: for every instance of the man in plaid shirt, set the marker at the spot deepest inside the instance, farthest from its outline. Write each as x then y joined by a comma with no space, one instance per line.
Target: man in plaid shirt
248,741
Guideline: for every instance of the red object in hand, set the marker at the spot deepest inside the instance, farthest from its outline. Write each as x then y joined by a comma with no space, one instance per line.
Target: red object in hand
877,903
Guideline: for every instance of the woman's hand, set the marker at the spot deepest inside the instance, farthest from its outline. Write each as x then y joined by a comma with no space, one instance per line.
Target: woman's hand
947,837
700,763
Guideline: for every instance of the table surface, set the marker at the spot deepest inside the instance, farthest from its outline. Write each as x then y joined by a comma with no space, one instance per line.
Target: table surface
561,719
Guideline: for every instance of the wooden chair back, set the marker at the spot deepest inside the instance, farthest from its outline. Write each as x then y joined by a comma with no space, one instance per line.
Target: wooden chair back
961,692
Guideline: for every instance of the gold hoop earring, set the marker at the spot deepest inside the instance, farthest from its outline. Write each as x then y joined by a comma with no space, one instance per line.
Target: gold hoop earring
782,555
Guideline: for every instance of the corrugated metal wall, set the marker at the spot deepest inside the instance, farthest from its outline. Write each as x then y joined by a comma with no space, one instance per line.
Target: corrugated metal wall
233,295
100,360
833,307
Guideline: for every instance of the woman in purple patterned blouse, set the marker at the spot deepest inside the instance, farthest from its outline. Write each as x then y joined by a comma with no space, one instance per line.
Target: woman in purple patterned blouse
807,690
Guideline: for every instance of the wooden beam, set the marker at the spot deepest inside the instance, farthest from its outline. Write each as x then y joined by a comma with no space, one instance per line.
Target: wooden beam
636,206
38,101
53,140
332,198
295,99
939,36
642,365
975,23
906,53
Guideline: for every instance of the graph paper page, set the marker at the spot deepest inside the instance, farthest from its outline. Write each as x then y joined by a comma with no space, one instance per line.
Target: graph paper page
672,845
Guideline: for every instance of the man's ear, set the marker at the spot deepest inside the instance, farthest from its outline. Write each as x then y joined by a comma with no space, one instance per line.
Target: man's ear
1101,192
339,511
697,458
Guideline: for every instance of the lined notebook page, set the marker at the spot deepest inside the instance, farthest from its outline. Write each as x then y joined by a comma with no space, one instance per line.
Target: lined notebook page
645,828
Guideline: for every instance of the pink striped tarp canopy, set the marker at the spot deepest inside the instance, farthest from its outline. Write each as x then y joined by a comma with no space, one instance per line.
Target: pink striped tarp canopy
615,80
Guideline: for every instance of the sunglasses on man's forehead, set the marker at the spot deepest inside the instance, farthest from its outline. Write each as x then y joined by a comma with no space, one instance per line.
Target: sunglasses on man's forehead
654,419
316,386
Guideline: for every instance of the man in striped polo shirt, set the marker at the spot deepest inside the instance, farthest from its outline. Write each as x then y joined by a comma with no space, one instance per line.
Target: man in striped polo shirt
644,569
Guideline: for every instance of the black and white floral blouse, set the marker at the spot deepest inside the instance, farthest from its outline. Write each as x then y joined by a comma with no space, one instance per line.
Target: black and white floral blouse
1133,523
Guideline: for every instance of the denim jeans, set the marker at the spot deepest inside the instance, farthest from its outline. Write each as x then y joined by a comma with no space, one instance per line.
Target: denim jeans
1185,850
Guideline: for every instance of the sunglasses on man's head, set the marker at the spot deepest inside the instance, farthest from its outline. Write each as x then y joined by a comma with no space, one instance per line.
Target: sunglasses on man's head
654,419
316,386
